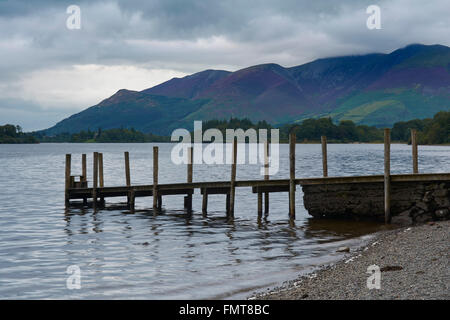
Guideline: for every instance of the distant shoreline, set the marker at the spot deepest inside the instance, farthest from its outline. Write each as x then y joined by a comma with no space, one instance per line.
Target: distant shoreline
282,142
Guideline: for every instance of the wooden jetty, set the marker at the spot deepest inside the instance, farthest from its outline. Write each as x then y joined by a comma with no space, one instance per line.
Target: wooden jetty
316,190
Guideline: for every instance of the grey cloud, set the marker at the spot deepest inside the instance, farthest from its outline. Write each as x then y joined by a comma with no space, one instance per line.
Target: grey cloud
30,115
311,28
192,35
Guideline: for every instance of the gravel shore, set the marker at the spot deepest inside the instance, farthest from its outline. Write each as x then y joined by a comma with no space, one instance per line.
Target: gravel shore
414,264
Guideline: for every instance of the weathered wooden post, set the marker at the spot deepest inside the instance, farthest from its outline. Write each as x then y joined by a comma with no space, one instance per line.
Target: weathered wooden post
324,156
84,175
131,200
67,173
205,202
127,174
83,167
266,175
414,151
95,180
100,169
260,203
127,168
233,179
100,174
292,175
159,202
387,174
188,198
155,178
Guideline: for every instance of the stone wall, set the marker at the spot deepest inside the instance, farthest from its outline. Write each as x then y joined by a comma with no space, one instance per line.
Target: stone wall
411,202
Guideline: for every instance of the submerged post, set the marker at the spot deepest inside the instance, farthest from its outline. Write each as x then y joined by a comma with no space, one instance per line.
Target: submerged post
131,201
387,174
205,202
155,178
266,175
414,151
233,179
324,156
67,185
259,203
292,175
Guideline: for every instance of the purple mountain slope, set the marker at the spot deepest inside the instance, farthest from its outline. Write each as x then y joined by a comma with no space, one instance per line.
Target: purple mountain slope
375,89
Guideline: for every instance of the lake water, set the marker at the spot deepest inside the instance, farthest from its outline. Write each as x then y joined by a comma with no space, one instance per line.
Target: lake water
171,255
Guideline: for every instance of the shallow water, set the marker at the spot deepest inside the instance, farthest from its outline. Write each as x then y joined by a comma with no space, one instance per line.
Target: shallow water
171,255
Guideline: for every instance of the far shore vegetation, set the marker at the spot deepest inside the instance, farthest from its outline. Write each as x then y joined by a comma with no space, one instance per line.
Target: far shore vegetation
432,131
13,134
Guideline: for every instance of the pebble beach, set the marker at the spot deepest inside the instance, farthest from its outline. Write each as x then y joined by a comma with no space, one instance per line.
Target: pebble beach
413,263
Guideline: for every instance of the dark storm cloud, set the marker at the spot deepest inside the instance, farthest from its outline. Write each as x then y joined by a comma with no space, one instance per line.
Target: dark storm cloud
140,31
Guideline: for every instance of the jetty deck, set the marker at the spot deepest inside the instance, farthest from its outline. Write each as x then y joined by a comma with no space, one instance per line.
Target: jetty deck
77,186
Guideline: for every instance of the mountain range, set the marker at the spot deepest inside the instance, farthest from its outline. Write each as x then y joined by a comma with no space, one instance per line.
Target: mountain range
374,89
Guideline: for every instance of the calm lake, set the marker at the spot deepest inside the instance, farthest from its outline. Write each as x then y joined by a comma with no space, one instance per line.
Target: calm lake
171,255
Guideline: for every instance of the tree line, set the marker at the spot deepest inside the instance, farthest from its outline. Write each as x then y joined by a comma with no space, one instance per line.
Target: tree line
103,136
434,130
13,134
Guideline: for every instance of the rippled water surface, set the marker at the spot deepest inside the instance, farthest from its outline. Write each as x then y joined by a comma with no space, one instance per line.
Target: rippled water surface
171,255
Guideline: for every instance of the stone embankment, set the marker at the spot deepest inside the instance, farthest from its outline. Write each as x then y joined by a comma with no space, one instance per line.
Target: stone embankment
411,202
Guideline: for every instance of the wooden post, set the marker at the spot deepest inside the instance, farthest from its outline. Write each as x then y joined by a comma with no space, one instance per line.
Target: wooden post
189,165
205,202
159,202
127,174
84,175
324,156
155,178
259,203
188,201
95,180
292,175
266,175
83,167
132,200
67,185
414,151
127,168
227,203
387,174
100,169
100,176
233,179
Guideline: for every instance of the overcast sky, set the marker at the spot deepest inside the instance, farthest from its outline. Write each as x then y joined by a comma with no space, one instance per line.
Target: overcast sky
48,72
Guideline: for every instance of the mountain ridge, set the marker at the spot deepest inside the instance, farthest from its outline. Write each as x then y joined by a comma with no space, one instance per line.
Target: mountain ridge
375,89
